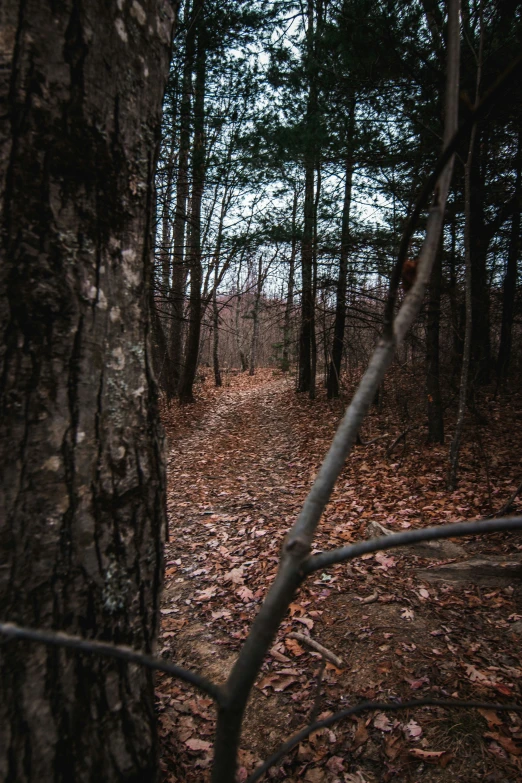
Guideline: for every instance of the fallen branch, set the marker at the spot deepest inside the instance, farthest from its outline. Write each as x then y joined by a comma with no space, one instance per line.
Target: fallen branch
317,647
93,647
368,706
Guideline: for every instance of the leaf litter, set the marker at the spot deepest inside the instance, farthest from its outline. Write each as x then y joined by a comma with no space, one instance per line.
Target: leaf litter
241,461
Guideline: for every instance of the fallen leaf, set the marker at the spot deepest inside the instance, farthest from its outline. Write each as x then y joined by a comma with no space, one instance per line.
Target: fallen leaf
382,722
197,744
442,757
505,742
294,647
413,730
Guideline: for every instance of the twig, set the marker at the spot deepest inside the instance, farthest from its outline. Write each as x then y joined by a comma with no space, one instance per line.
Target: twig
370,706
400,437
455,530
317,701
123,653
317,647
372,440
508,503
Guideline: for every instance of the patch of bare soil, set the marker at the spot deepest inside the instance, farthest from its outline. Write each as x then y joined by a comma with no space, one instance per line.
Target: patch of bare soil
240,464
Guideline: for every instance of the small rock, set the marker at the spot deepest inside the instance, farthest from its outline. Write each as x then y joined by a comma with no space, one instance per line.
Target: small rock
516,628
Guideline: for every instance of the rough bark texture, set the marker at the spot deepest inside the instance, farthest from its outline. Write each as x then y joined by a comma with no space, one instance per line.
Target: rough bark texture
81,493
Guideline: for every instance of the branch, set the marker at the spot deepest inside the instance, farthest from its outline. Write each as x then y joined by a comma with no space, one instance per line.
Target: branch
473,117
366,706
330,656
455,530
123,653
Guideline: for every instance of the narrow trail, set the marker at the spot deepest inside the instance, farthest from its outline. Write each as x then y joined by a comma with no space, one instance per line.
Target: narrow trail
240,464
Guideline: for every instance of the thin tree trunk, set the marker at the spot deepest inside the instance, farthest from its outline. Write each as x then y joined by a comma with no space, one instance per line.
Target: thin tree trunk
313,335
307,246
334,370
510,279
179,269
289,306
81,476
466,354
215,340
194,246
435,411
255,317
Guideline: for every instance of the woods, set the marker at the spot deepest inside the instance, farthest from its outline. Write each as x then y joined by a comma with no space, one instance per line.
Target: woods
192,192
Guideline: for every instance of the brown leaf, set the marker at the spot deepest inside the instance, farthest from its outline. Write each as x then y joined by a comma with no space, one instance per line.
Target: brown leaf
361,735
294,647
491,717
441,757
505,742
197,744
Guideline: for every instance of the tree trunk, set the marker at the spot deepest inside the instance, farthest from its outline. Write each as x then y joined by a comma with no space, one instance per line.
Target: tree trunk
510,279
255,317
480,293
179,270
215,340
334,370
435,411
289,306
194,249
307,246
82,484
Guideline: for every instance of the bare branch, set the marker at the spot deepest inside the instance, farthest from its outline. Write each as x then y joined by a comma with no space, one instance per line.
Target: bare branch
367,706
91,646
455,530
479,111
330,656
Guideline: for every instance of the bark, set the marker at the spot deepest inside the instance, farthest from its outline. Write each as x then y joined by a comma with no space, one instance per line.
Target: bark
479,243
307,246
179,270
468,336
255,317
334,369
510,278
81,474
194,240
313,333
435,410
289,306
215,341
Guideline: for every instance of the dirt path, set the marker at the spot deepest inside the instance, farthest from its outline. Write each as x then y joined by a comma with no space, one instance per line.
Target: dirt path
239,468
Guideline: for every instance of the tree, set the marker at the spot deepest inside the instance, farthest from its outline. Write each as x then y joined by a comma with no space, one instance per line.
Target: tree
82,488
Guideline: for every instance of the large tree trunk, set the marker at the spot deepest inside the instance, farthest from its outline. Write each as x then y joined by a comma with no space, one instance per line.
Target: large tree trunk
194,240
82,487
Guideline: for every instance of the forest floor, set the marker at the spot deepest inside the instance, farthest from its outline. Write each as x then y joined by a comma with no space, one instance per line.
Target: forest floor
241,461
